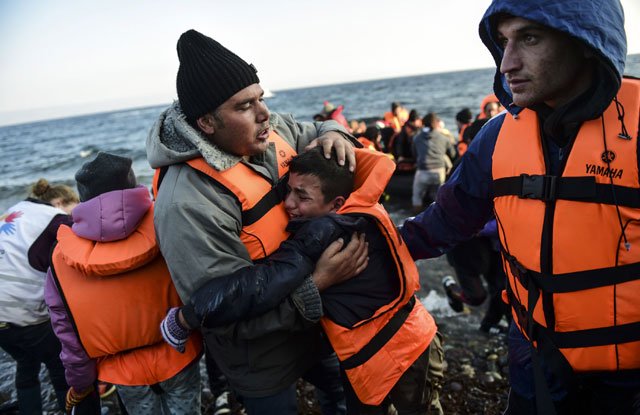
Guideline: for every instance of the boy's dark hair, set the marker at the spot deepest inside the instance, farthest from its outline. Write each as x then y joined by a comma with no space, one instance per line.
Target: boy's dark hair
335,180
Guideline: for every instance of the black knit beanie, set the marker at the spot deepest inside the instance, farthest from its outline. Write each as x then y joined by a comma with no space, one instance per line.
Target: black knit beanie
107,172
209,74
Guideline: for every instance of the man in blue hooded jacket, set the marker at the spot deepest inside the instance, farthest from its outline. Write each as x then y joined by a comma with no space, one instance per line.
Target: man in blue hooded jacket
560,169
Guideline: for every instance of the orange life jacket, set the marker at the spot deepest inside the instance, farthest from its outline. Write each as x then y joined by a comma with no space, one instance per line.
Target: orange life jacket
377,351
489,98
572,284
264,218
396,122
366,143
462,146
339,117
116,294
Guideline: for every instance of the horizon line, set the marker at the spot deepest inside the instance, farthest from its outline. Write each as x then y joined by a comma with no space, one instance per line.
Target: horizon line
119,108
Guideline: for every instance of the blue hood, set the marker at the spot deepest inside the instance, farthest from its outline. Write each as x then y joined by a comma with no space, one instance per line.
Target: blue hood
597,23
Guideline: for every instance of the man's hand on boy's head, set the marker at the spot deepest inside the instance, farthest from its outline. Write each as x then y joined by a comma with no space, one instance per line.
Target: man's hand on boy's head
337,265
344,148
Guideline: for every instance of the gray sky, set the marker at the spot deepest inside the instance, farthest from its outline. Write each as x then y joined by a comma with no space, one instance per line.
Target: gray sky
65,57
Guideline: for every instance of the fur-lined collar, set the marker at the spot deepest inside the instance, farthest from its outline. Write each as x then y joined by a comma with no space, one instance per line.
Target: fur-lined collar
173,139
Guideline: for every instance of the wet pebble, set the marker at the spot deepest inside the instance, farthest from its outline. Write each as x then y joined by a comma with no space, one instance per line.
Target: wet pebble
486,377
468,371
455,386
496,375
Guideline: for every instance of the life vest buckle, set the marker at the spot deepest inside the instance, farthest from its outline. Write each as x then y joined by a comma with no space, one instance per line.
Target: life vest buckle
536,186
517,269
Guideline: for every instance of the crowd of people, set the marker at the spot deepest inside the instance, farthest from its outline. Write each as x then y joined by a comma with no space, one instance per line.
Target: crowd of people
263,245
417,144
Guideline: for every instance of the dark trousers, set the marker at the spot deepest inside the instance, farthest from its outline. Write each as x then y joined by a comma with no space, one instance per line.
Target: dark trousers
324,375
472,260
217,380
30,346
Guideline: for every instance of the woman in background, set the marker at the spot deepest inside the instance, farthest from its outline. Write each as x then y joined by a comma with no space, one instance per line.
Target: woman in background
27,232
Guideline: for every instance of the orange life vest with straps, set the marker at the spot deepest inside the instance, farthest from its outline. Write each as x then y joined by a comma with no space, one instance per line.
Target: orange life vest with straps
264,218
462,146
573,282
366,143
486,100
377,351
116,294
396,122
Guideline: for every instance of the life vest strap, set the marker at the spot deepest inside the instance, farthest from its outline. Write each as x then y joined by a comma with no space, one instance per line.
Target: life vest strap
271,199
554,360
602,336
381,338
580,189
264,205
157,180
574,281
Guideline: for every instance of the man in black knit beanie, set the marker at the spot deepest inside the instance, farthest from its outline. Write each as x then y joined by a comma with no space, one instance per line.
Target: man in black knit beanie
220,156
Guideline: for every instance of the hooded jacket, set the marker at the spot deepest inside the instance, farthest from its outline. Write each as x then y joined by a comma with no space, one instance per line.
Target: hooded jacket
598,25
107,290
198,224
466,201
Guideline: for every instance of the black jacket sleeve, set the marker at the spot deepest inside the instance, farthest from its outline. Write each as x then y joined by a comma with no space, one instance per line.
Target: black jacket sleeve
252,291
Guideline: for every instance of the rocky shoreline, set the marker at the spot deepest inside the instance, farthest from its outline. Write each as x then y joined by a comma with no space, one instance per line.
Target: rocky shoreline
476,374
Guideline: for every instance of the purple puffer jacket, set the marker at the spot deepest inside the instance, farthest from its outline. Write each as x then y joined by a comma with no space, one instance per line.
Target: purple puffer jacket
109,217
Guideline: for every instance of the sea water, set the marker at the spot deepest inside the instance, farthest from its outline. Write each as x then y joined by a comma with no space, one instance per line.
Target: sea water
56,149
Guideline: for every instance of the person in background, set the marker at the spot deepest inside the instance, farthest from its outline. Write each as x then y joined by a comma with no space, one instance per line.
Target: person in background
331,112
434,152
220,156
326,202
487,110
108,289
372,138
27,233
396,117
402,144
559,170
386,139
474,261
490,110
357,127
463,120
